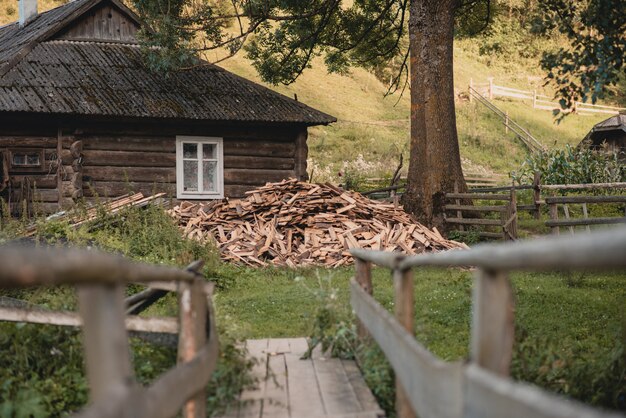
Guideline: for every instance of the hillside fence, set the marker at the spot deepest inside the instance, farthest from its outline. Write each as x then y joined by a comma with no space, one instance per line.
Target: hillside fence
429,387
522,133
539,101
100,280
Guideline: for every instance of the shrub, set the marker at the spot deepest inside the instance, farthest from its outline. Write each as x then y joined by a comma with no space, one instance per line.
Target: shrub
572,166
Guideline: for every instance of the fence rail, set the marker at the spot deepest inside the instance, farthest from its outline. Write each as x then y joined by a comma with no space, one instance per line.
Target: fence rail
100,279
429,387
508,212
539,101
527,139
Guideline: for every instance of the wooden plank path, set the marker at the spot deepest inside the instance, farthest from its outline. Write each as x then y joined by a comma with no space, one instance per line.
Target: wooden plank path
293,388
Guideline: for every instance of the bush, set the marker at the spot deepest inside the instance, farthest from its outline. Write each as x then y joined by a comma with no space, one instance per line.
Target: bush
572,166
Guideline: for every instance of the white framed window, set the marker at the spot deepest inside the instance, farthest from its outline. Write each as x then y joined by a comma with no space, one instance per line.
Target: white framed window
199,167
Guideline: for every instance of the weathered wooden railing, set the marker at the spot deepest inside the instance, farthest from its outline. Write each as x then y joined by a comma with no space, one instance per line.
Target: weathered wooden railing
429,387
506,220
100,279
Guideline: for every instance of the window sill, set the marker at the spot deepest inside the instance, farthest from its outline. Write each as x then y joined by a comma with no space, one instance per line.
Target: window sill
199,196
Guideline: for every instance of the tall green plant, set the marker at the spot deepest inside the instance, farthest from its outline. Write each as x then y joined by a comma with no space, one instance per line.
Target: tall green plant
572,166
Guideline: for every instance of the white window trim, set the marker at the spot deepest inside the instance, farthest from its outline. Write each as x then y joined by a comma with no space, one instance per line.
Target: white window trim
180,193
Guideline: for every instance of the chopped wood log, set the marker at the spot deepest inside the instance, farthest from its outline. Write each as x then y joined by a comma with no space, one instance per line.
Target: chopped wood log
292,223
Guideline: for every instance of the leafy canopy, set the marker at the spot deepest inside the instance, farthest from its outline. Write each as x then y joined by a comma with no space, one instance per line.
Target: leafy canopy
594,59
282,37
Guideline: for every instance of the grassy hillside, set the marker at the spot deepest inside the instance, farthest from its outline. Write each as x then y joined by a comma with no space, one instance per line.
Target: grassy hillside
373,130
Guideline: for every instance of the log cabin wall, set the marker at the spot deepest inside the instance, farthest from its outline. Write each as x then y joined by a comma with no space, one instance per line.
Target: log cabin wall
114,163
38,185
98,160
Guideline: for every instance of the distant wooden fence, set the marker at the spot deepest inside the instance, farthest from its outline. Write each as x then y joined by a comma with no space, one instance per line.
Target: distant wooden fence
460,216
429,387
506,220
539,101
100,280
522,133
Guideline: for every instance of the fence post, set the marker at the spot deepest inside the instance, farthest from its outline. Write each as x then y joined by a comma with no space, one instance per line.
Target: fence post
192,336
107,355
513,214
534,99
363,277
471,86
537,194
490,87
493,328
554,215
457,201
506,122
405,314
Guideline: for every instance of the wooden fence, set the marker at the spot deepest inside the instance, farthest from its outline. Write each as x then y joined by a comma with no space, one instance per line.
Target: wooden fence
100,280
522,133
505,221
539,101
429,387
542,195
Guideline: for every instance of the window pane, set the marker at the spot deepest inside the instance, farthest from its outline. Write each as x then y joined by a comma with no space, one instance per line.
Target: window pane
19,159
190,150
209,176
190,176
209,151
32,159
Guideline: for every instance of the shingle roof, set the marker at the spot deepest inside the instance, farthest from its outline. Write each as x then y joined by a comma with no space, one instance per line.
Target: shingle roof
110,79
14,38
614,122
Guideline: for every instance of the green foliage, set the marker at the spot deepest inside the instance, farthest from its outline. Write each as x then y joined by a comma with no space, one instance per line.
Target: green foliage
572,166
379,376
41,370
594,59
469,237
332,327
544,361
232,374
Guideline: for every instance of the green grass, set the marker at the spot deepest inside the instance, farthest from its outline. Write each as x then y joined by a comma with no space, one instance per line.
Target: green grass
569,336
269,303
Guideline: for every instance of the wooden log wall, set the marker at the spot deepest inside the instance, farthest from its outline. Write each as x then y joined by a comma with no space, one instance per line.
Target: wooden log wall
96,161
42,182
114,163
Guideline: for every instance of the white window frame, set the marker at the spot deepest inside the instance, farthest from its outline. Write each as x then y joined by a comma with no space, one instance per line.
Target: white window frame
180,183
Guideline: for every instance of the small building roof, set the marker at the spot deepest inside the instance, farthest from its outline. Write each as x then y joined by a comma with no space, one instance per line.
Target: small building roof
41,74
617,122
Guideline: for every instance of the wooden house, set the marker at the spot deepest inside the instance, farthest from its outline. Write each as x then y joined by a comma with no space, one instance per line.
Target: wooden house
609,135
82,116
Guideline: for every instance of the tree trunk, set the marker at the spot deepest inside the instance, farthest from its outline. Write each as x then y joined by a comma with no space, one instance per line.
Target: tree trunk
435,162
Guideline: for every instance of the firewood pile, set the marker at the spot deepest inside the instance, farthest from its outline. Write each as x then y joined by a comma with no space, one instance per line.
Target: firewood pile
295,224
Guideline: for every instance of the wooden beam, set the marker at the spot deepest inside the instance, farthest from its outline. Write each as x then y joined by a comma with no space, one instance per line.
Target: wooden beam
168,394
478,196
107,353
434,387
22,267
193,308
585,199
468,208
600,250
585,221
72,319
363,276
474,221
487,395
493,327
405,314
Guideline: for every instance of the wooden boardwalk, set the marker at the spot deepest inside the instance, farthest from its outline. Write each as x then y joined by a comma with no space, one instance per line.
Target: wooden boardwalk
315,388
